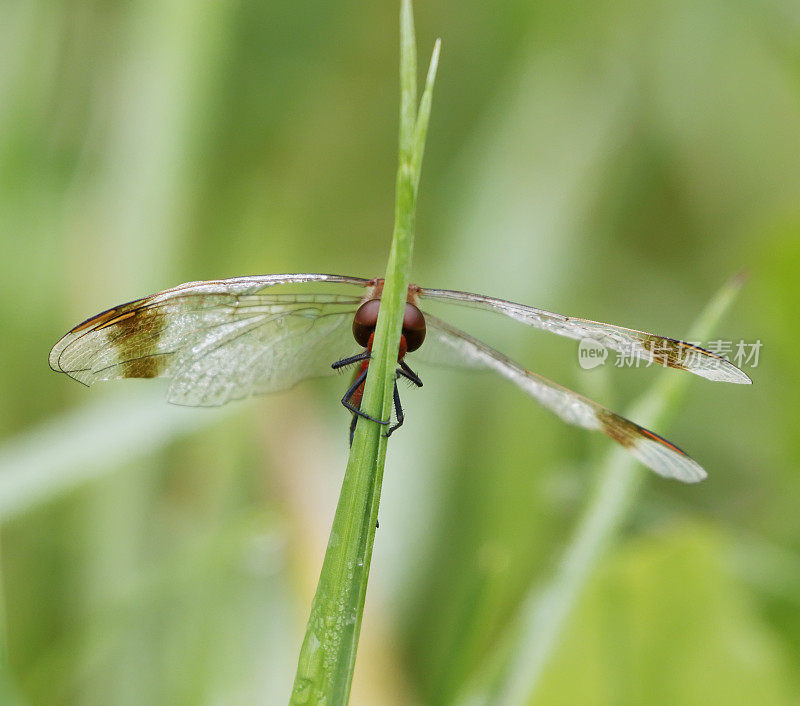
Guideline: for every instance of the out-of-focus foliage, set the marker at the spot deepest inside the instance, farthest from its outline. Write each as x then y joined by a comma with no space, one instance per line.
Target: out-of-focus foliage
616,160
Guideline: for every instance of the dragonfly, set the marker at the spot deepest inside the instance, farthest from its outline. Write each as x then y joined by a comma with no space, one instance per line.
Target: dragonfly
226,339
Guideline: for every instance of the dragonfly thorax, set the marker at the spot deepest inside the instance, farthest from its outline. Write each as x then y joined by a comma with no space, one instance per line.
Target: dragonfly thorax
366,318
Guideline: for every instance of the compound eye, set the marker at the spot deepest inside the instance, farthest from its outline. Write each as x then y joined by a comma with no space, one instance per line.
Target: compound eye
413,327
365,320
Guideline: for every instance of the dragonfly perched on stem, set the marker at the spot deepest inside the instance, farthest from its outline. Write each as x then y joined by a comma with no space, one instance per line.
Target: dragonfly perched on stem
221,340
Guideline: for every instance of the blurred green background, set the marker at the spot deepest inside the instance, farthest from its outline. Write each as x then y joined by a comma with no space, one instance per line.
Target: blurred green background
613,160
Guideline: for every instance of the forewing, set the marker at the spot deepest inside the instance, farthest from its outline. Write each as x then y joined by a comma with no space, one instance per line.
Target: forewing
653,451
661,350
218,340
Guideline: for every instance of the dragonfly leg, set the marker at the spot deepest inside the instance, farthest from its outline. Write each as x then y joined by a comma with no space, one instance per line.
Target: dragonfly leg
398,409
353,428
349,361
349,394
408,373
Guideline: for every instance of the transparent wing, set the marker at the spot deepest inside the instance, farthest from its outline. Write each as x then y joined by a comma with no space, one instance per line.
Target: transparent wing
217,340
649,448
266,353
661,350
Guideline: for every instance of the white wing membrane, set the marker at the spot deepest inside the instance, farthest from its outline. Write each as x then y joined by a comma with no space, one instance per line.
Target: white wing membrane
263,354
656,453
649,347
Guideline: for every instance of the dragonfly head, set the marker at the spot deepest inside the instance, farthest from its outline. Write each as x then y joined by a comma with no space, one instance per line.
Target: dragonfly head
366,318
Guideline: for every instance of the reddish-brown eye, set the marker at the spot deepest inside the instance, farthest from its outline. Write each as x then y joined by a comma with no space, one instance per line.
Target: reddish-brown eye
365,321
413,327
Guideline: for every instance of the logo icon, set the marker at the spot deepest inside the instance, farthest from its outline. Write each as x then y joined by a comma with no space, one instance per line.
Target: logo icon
591,353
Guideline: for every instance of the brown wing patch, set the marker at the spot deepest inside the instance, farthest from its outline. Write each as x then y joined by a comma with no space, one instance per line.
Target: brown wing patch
148,366
133,331
672,353
625,432
622,430
134,335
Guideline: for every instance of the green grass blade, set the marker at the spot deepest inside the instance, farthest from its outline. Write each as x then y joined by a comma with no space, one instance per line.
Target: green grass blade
408,80
327,657
424,114
545,611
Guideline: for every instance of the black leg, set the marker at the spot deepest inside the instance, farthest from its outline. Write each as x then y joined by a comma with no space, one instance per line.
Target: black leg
409,374
349,361
355,410
353,428
398,410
